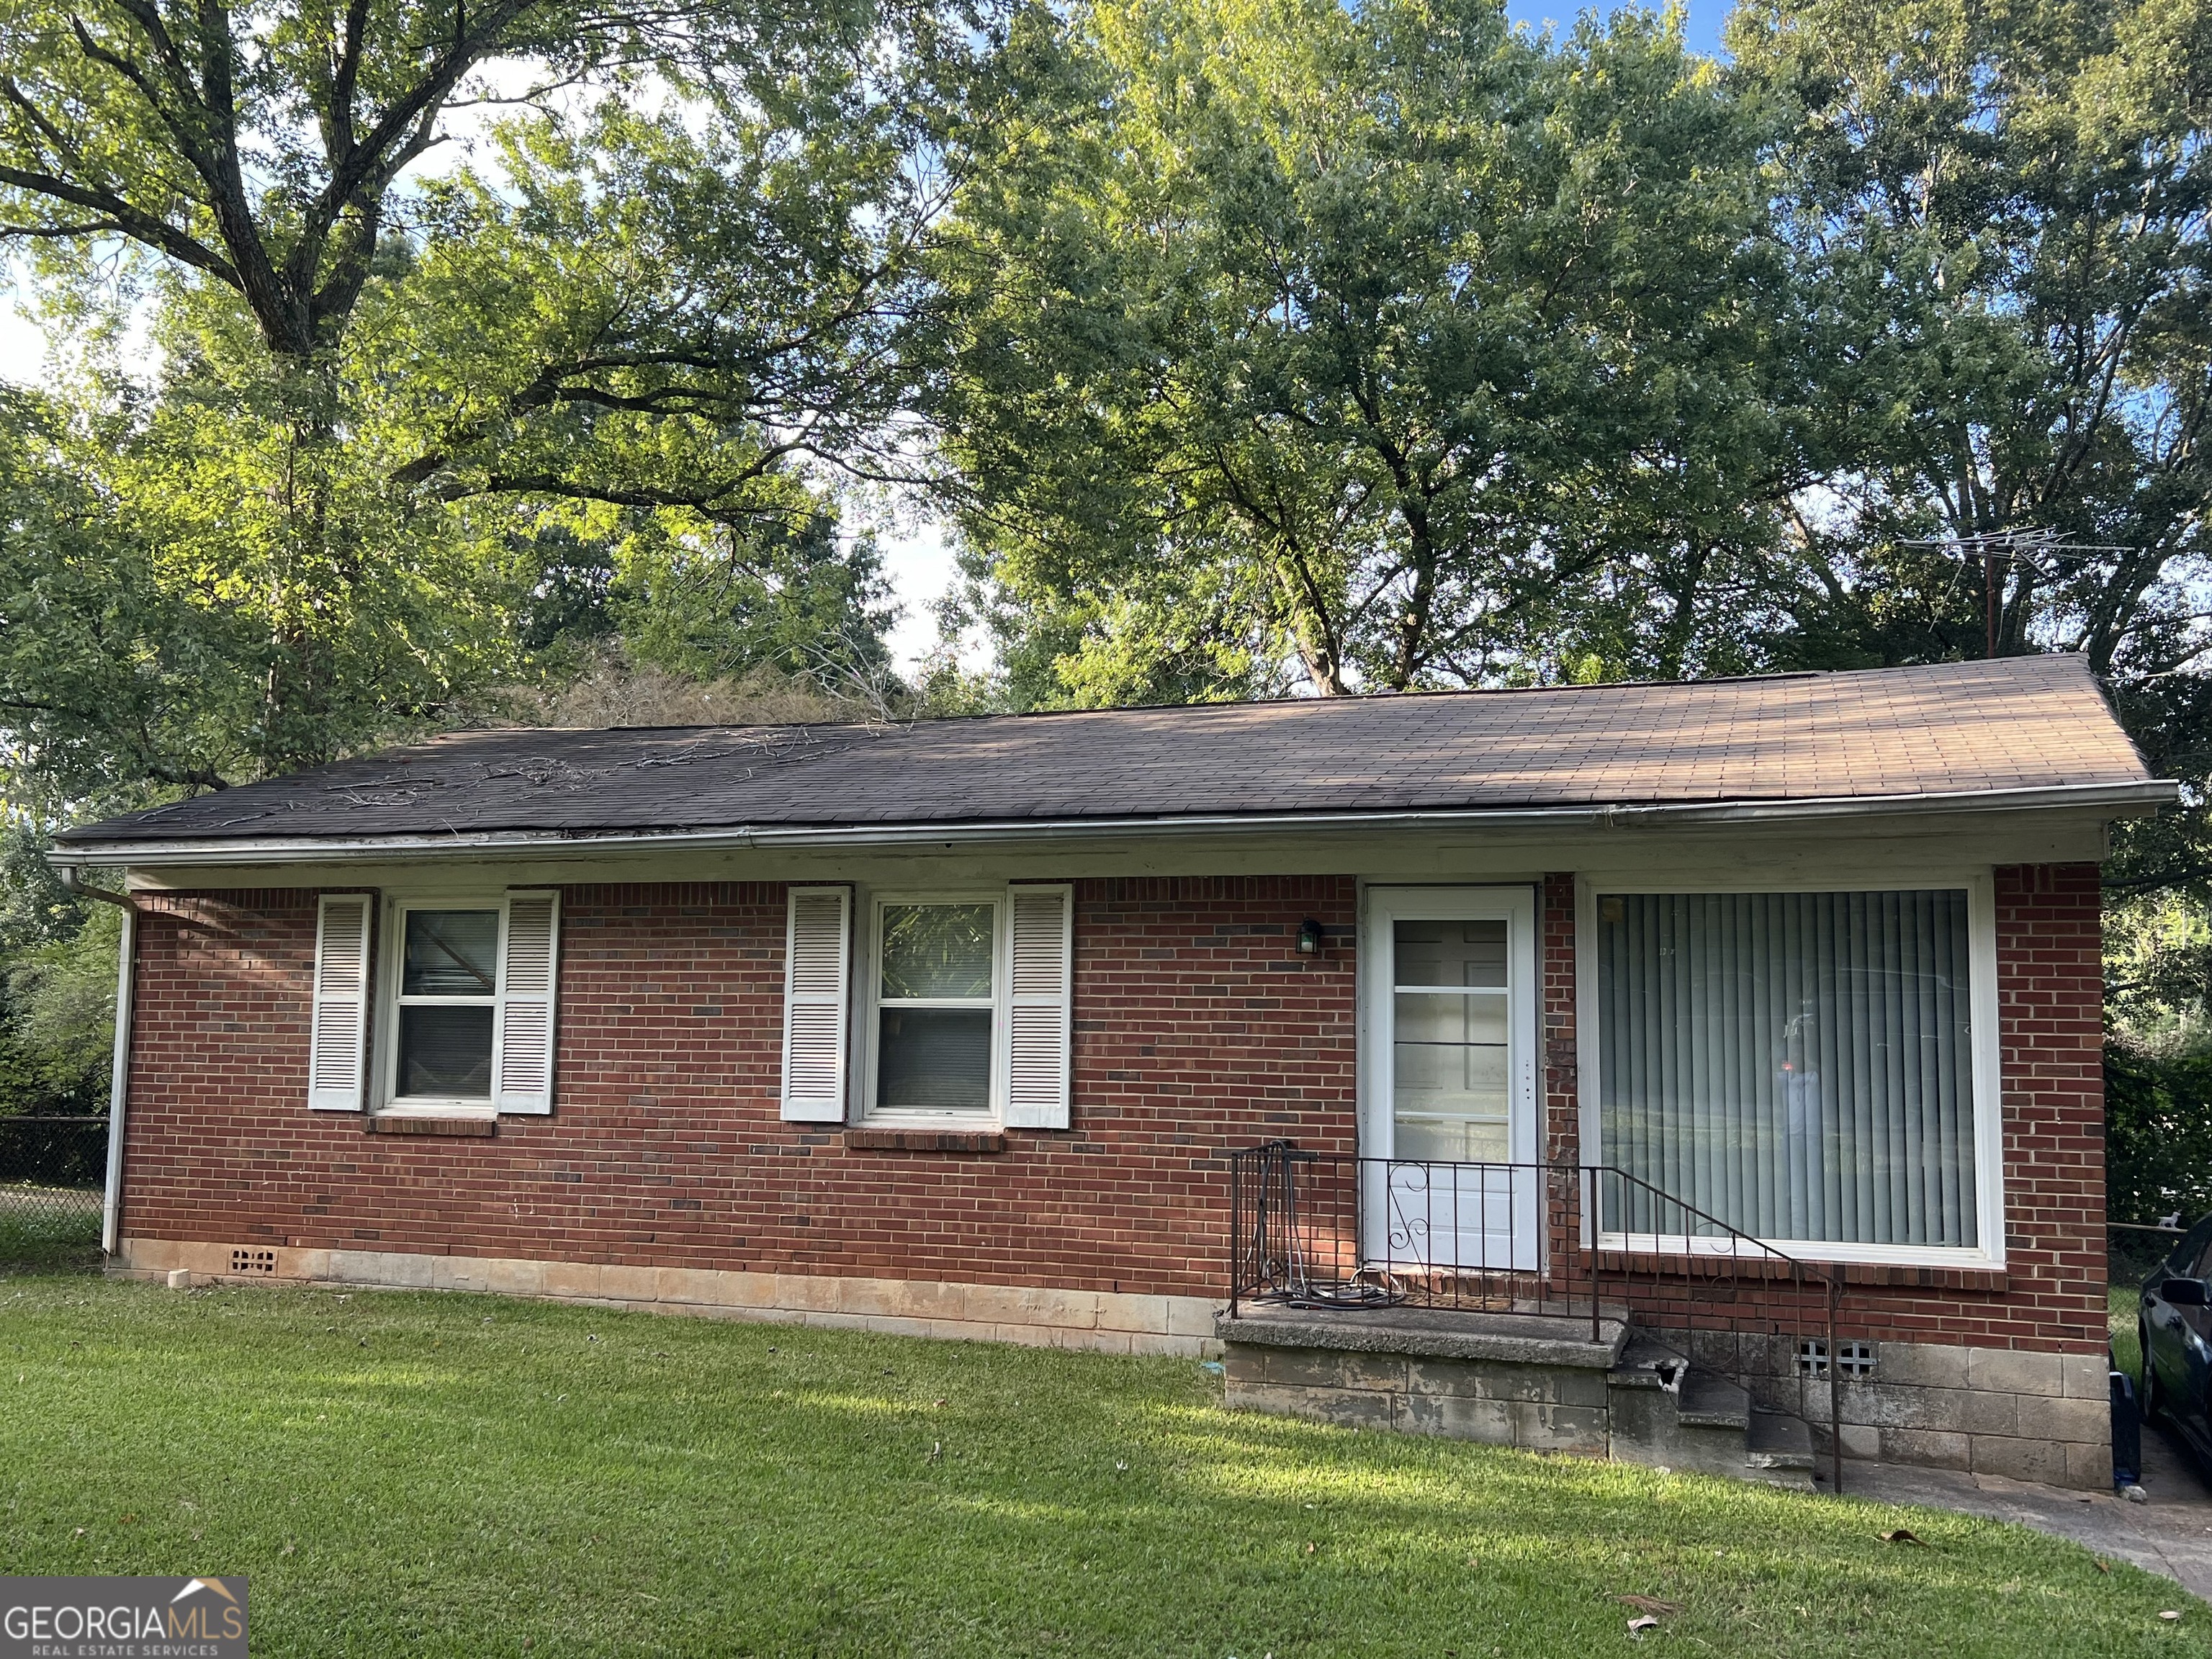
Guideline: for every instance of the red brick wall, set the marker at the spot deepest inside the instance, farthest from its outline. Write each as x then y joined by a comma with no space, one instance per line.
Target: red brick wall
1197,1027
1562,1065
2051,992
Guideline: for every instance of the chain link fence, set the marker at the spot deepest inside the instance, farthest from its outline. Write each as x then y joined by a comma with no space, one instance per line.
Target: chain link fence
53,1170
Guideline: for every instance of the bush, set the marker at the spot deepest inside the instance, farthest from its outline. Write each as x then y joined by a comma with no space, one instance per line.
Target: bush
2158,1126
57,1045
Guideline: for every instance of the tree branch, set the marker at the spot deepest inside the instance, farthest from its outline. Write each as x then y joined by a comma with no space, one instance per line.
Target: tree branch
139,226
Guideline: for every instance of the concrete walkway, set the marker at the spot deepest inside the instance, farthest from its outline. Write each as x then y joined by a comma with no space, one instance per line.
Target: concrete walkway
2171,1535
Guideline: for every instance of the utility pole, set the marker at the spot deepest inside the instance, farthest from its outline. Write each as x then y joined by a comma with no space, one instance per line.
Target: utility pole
1996,547
1990,603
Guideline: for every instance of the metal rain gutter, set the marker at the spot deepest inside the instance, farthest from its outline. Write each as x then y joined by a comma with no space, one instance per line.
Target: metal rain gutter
2136,796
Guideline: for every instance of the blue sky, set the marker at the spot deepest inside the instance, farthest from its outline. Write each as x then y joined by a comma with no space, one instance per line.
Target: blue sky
1706,17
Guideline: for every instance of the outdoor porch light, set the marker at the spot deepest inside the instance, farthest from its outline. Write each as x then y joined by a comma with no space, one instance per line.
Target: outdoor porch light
1309,938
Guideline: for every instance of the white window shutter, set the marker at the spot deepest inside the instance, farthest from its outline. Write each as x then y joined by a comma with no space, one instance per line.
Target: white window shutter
1040,1007
529,971
817,994
338,1045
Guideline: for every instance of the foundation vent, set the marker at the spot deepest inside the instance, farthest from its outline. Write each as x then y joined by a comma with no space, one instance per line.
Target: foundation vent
253,1262
1852,1358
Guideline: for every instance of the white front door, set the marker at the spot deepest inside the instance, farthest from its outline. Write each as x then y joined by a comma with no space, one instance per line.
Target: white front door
1448,1104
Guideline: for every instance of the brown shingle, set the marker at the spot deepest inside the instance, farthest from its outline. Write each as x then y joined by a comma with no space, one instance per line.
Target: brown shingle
2018,723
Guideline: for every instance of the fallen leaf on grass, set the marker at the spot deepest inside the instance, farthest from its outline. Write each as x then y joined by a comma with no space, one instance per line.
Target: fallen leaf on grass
1638,1626
2171,1613
1310,1549
1651,1604
2104,1566
1903,1535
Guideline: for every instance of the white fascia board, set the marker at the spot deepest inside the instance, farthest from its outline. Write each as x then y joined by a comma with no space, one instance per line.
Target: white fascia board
2121,798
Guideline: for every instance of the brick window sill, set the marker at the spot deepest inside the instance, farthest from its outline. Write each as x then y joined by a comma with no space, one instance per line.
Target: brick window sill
1716,1267
925,1140
387,1123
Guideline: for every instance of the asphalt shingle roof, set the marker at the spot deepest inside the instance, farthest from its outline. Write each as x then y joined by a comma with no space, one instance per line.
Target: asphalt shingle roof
2016,723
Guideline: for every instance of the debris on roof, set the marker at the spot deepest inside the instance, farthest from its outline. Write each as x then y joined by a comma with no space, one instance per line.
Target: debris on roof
1957,728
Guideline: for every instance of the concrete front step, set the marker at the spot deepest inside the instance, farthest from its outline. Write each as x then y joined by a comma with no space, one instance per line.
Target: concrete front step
1434,1333
1781,1443
1670,1412
1538,1382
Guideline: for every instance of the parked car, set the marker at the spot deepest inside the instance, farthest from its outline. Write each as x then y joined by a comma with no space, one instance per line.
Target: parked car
2176,1327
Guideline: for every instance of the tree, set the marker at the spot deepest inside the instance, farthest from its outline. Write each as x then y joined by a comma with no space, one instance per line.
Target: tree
808,604
58,1003
2000,216
107,675
665,306
1364,335
262,149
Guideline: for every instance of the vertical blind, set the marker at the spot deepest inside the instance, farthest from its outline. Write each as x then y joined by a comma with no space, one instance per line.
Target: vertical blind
1797,1066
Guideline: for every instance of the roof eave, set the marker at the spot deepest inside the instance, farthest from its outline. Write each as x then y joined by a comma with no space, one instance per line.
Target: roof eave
2127,799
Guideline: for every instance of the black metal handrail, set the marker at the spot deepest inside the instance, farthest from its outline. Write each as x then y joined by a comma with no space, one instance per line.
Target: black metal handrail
1321,1230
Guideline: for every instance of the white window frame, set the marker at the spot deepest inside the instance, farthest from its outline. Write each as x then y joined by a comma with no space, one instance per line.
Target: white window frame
1985,1053
1515,904
871,1005
389,974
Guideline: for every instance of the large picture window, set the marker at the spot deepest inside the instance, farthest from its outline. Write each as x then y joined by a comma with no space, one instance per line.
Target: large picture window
1797,1066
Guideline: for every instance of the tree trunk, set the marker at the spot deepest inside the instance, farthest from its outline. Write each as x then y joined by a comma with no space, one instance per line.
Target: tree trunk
1683,623
1412,629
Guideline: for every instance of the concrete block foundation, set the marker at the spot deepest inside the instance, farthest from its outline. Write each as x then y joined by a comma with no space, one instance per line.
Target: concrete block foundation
2022,1414
1097,1320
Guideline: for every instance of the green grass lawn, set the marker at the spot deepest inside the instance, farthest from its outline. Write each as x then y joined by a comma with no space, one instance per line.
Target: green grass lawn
48,1226
453,1474
2126,1306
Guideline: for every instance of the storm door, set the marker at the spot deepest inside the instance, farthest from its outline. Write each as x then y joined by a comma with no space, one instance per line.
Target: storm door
1448,1114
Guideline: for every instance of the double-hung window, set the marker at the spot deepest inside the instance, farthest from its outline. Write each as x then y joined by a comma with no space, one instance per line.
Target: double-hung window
937,1007
1803,1067
462,1018
955,1008
447,1004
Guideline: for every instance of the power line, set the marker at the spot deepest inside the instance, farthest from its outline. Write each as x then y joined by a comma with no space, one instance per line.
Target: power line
2026,547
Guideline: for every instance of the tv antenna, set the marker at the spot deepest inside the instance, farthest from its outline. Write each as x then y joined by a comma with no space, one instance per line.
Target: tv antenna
1994,547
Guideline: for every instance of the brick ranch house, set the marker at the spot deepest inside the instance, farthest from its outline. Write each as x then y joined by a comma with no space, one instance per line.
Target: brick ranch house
951,1028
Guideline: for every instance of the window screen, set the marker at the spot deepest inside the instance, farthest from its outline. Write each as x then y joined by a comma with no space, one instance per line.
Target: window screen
935,1006
1797,1066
